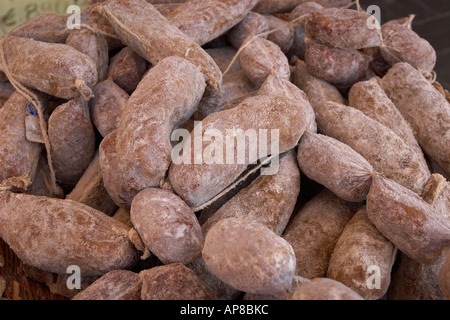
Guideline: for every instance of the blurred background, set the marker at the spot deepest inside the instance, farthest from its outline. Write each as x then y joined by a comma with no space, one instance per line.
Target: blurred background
432,21
14,12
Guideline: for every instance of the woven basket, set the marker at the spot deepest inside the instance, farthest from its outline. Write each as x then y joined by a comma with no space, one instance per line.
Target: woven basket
19,286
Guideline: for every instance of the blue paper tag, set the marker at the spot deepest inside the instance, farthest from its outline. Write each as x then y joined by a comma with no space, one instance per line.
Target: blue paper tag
31,109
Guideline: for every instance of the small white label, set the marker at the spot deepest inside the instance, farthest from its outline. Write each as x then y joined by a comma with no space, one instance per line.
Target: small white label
33,129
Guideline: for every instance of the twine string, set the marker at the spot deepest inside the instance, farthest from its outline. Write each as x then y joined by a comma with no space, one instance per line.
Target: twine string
234,184
30,96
